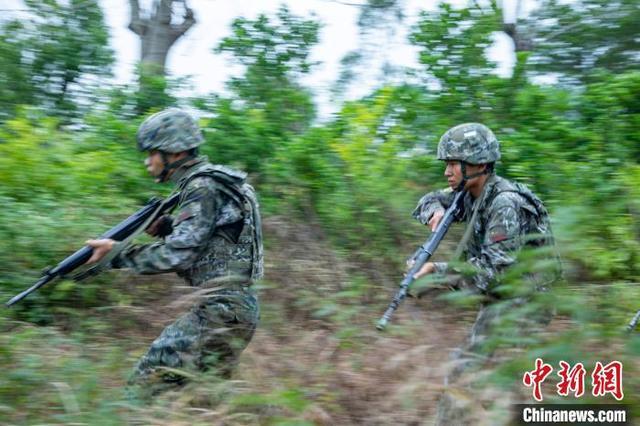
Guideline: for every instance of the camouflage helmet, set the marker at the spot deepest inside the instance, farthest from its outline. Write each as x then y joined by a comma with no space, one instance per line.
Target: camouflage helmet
472,143
171,130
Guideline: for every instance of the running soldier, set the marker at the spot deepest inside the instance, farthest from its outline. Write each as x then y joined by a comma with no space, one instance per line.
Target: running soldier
213,241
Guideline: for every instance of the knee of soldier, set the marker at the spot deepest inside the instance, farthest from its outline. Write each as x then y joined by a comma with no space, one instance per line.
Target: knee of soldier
161,353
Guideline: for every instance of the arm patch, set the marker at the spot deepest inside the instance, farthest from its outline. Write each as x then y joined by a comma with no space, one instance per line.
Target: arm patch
184,215
496,237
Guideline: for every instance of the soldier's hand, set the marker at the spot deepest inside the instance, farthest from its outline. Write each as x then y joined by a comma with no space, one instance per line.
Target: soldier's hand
100,249
435,219
427,268
160,227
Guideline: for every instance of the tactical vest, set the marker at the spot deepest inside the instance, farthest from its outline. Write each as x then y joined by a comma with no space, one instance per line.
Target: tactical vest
239,260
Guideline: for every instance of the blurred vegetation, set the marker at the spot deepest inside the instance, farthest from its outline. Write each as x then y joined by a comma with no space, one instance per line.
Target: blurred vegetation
337,198
55,58
579,39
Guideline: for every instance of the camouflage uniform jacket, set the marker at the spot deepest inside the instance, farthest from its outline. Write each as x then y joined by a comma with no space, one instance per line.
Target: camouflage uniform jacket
510,214
214,234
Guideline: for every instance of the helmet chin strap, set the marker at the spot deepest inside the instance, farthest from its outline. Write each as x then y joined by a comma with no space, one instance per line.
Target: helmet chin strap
167,167
466,178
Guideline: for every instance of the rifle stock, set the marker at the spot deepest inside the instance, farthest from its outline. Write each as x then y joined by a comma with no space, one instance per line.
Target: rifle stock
118,233
422,255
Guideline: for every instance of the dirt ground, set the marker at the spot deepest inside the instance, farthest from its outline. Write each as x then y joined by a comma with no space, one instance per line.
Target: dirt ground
351,372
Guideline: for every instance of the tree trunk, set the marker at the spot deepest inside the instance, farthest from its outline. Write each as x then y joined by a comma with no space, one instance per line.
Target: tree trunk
157,33
522,44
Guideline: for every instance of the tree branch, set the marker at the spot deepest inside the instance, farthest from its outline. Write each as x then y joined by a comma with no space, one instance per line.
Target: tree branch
344,3
521,43
136,24
189,21
163,12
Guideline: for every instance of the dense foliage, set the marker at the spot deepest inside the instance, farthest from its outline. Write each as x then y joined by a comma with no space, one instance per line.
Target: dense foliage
575,40
53,58
351,182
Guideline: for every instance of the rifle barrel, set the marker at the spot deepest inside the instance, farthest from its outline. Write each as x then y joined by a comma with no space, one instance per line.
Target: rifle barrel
634,322
42,281
118,233
423,254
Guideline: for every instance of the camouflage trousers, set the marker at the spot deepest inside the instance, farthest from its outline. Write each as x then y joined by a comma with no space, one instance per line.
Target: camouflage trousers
210,336
466,392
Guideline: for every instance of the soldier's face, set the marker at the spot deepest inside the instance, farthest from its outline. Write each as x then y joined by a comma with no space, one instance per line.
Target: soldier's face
453,173
154,163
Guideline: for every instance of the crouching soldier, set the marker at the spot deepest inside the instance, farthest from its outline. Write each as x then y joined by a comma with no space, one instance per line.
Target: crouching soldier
502,217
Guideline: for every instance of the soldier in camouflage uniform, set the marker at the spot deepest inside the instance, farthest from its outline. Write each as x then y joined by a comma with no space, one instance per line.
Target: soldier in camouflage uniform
213,241
502,218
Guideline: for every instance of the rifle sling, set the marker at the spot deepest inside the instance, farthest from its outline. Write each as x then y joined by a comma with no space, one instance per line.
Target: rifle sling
470,225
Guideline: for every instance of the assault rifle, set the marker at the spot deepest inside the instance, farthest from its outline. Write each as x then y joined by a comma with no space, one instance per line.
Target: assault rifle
119,232
422,255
